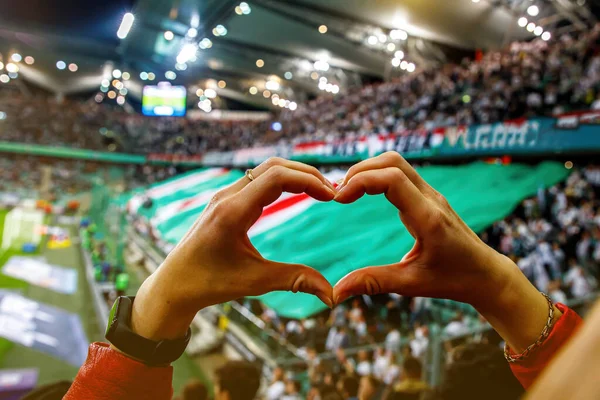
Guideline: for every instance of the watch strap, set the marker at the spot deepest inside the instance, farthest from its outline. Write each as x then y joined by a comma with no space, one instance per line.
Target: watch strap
151,352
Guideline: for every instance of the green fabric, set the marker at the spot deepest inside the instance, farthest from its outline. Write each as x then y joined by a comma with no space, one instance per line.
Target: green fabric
175,228
337,239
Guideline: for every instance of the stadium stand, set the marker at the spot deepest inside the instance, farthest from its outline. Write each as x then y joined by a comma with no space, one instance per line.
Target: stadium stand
99,182
527,79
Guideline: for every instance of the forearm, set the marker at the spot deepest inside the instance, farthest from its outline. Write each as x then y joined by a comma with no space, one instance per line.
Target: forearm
517,310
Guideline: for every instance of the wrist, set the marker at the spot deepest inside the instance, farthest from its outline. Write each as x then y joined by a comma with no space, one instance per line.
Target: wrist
157,314
513,306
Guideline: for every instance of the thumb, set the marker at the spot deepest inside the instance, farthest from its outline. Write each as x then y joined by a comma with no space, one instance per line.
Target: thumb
369,281
298,278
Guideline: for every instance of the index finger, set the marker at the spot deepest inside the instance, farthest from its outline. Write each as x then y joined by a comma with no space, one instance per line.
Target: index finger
392,182
269,186
386,160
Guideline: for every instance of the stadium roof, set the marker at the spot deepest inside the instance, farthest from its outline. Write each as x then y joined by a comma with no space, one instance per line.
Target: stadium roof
360,41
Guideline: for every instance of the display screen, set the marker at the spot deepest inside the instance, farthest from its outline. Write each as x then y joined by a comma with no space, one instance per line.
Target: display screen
164,100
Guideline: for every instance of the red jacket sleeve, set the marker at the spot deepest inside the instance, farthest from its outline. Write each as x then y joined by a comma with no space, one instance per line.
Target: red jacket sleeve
108,374
529,369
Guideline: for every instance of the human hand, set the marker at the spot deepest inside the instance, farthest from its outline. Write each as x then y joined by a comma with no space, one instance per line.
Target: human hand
448,259
215,261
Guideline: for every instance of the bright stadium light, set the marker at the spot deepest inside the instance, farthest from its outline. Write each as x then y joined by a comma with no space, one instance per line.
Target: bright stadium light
151,76
403,65
288,75
538,31
192,32
222,84
335,89
260,63
1,65
4,78
120,100
126,76
238,10
29,60
522,22
399,54
253,90
321,65
391,47
169,35
210,93
144,76
117,73
73,67
372,40
105,83
61,65
14,68
170,75
187,52
205,43
398,34
396,62
272,85
533,10
323,29
16,57
126,25
293,106
220,30
245,8
13,75
322,85
546,36
411,67
530,27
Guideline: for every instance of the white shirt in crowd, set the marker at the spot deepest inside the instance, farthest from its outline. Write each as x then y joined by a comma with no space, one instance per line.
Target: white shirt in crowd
275,390
391,374
364,368
456,328
579,283
392,341
380,365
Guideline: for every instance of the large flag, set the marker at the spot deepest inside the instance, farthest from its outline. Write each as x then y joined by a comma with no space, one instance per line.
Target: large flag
337,239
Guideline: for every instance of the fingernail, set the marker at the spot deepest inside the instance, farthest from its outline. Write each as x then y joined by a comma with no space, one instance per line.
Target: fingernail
340,192
340,183
325,299
329,185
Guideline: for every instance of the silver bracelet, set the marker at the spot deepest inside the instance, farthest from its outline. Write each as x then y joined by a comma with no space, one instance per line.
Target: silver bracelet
545,333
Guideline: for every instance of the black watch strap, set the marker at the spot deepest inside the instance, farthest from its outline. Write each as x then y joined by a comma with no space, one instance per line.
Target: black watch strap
120,335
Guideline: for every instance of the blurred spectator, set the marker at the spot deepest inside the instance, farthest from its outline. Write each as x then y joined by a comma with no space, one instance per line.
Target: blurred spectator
194,390
237,380
277,387
348,388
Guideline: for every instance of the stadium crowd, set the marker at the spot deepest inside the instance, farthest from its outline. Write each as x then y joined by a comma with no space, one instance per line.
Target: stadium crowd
379,344
526,79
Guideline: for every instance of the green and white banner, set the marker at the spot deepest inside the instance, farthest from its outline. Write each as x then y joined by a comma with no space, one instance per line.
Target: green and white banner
337,239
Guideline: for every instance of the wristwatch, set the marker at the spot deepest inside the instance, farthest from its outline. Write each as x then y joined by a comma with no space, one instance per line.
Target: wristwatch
120,335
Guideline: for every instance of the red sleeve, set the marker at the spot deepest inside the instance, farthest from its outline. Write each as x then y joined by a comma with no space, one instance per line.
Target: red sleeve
529,369
108,374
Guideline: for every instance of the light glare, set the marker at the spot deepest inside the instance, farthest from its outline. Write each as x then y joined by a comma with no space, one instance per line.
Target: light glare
126,25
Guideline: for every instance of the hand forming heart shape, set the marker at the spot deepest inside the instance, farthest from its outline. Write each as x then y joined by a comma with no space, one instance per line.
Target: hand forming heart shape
215,262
